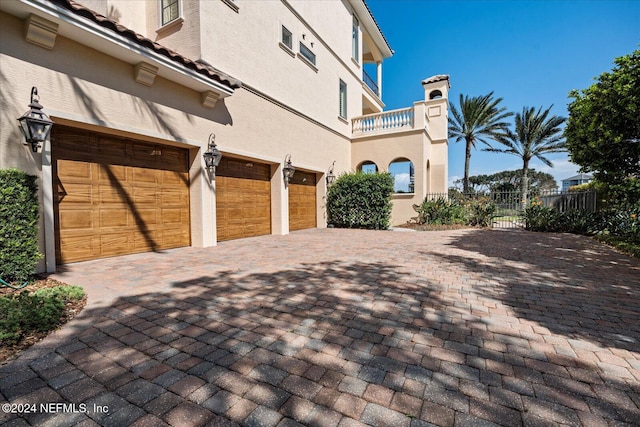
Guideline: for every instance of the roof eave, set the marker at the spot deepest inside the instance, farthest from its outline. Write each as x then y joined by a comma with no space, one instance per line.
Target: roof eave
371,26
93,35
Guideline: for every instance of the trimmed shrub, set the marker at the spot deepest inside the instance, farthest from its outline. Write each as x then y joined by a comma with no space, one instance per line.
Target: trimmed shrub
24,313
18,225
360,200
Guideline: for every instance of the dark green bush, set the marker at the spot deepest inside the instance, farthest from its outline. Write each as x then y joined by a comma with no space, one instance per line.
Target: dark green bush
441,210
360,200
631,248
24,313
616,222
622,223
18,225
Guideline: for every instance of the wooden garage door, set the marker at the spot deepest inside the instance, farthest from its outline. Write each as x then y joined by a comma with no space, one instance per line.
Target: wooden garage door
117,196
302,201
243,199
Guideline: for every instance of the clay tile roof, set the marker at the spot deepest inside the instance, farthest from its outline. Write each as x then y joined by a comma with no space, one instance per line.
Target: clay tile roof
377,25
199,67
436,78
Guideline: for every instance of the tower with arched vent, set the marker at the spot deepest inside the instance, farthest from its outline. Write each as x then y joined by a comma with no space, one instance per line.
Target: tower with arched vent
410,143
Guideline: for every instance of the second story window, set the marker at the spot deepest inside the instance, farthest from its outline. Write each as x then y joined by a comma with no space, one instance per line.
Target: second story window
355,40
169,10
287,38
343,100
308,55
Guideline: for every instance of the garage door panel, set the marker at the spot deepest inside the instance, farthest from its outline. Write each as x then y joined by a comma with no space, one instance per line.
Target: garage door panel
108,195
81,145
302,202
147,241
143,176
145,153
73,169
113,150
173,197
106,209
114,218
173,237
146,217
174,159
173,178
243,204
79,248
113,174
76,219
80,194
171,216
113,244
145,196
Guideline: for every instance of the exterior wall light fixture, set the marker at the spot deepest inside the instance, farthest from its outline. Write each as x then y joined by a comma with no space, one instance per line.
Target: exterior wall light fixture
288,170
35,124
212,156
331,178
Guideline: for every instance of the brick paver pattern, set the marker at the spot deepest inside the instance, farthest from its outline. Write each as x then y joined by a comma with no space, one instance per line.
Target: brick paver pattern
345,328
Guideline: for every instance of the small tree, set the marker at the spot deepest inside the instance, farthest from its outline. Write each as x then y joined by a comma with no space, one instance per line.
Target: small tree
603,129
18,225
360,200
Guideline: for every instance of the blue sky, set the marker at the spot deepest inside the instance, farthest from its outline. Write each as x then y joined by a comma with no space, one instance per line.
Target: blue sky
530,53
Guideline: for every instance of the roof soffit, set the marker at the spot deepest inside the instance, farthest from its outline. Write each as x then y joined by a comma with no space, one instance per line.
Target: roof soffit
119,42
371,26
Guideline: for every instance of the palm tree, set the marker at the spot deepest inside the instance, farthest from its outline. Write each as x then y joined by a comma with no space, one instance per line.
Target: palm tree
479,118
537,133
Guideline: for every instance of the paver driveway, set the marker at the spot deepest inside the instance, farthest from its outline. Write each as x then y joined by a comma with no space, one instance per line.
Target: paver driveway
346,328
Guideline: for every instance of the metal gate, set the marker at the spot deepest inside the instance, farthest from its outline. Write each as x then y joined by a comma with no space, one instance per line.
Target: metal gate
508,205
508,212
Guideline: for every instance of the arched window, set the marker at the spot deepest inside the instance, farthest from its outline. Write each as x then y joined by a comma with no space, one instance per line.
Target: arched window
403,174
368,167
436,94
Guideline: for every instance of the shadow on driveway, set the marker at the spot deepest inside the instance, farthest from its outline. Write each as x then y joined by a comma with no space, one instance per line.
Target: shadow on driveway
454,334
564,282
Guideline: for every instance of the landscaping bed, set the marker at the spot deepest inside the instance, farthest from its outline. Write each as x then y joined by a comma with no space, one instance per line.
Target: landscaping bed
28,315
434,227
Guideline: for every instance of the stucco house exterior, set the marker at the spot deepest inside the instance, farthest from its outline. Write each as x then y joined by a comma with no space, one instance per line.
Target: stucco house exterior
138,90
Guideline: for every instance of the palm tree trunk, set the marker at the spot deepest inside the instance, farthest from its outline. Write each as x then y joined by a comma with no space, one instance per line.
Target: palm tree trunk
524,184
467,160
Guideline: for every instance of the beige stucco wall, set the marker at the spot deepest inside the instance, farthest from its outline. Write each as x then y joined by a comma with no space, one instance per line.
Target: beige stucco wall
383,150
423,141
111,101
260,62
437,113
332,20
246,44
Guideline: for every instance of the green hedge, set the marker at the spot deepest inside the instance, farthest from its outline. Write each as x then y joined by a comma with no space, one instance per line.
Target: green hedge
360,200
18,225
24,313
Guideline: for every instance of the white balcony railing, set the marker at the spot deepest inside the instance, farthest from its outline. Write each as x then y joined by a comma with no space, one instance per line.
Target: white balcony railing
387,121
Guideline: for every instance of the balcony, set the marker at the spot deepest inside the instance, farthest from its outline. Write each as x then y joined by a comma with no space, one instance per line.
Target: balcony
368,80
404,119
